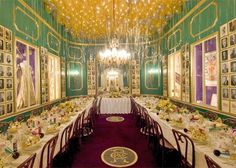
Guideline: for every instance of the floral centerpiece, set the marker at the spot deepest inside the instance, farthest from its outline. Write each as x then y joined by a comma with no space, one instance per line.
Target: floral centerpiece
114,94
166,106
14,126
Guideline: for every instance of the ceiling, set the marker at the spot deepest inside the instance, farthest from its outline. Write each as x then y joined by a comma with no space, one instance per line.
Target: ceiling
101,19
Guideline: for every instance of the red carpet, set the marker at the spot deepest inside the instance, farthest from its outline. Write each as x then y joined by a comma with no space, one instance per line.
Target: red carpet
108,134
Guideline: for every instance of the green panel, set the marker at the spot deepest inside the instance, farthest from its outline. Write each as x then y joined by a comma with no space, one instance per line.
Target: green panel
75,52
151,77
171,41
53,42
77,75
25,24
199,23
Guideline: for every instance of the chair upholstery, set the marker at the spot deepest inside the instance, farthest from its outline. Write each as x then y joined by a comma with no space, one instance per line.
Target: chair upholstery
28,163
211,163
48,150
184,144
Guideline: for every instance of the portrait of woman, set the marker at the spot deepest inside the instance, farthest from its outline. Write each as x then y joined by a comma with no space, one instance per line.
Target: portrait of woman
25,75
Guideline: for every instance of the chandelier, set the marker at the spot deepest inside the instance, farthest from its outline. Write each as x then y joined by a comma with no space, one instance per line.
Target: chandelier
114,55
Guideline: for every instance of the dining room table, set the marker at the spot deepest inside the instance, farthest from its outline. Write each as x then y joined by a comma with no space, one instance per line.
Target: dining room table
6,159
213,138
121,105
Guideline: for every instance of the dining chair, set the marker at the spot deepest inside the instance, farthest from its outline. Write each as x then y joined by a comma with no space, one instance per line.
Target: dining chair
143,118
211,163
65,136
63,158
185,147
87,123
166,154
48,151
75,140
132,105
99,105
28,163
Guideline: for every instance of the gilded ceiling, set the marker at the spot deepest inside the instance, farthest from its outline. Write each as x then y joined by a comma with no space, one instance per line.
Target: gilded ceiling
100,19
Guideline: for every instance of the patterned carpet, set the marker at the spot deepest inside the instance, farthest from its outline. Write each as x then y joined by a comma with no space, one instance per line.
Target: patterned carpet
111,134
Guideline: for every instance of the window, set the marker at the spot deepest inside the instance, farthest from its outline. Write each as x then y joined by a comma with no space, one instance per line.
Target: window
205,74
27,76
174,75
54,77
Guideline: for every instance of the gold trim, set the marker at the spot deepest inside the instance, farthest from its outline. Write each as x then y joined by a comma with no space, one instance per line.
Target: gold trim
82,81
200,3
115,119
113,165
57,58
198,13
169,76
193,72
29,109
149,88
59,42
38,84
22,2
17,28
206,108
75,58
174,34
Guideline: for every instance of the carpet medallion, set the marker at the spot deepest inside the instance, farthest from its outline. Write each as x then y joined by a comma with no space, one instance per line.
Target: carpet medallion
119,156
115,119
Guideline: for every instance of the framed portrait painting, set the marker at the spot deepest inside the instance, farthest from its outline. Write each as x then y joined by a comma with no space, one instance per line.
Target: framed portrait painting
27,78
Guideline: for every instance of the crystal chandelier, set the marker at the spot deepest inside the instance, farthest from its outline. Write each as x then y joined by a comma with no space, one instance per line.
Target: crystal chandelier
114,55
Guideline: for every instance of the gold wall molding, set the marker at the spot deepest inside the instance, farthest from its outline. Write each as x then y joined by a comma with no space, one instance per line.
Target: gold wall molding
22,2
193,72
75,58
49,45
37,78
200,3
174,34
21,31
201,11
81,72
145,76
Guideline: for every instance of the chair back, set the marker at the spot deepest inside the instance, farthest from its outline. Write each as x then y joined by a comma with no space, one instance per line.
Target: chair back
48,151
99,105
185,148
28,163
211,163
76,128
82,120
65,136
159,134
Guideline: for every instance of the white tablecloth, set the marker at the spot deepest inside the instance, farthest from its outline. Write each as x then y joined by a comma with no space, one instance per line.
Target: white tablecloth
115,105
25,155
200,150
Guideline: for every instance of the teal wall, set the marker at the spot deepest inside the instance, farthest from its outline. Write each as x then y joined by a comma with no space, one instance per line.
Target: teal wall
197,22
207,19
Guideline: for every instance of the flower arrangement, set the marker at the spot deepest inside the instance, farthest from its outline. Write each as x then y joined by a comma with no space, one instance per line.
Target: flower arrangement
166,106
